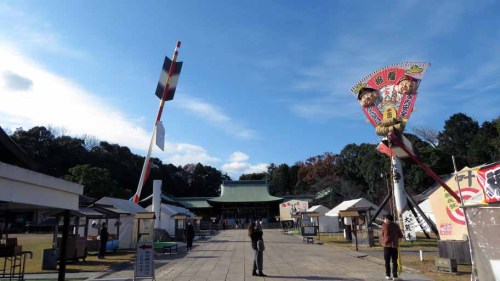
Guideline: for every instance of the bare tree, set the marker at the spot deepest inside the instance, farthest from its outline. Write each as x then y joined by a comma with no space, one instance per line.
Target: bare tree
90,141
57,131
427,134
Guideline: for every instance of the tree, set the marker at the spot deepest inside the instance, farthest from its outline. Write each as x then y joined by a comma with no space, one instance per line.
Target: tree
65,152
318,174
36,142
97,182
483,148
428,135
125,166
457,136
279,183
254,176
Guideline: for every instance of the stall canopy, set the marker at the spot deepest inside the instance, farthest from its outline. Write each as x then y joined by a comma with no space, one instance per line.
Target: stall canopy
21,188
167,221
126,220
326,223
349,205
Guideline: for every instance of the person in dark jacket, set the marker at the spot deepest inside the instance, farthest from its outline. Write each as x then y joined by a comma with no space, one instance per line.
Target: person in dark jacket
189,236
104,236
255,233
389,238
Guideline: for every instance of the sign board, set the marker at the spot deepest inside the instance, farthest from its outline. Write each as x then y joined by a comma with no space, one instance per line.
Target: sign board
290,208
409,223
450,218
144,265
309,231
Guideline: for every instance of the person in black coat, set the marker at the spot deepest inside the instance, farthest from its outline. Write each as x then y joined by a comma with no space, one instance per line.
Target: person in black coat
255,233
189,236
104,236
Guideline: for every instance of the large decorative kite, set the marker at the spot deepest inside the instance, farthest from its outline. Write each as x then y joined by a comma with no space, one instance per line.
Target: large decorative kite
388,95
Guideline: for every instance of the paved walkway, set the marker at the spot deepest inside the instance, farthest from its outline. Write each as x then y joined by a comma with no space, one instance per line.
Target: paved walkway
229,256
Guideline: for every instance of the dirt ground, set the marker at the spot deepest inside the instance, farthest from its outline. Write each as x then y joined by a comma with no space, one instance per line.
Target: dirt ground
410,256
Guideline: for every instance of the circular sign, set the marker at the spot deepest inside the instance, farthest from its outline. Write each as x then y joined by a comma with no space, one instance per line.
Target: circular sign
456,214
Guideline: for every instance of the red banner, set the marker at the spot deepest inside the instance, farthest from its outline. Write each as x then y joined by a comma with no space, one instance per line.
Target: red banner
488,178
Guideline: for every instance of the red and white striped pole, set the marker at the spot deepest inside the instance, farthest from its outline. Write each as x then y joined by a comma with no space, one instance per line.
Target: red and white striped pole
147,164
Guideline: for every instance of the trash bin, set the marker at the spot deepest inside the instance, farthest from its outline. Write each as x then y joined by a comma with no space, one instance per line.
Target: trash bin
49,259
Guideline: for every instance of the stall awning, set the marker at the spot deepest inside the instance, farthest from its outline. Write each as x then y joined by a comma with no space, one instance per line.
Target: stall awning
22,188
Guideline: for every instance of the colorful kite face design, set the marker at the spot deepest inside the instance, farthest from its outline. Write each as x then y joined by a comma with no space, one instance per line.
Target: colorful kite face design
388,95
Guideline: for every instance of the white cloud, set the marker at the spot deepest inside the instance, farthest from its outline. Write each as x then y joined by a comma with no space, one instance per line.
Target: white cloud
51,100
56,101
238,156
238,164
216,117
181,154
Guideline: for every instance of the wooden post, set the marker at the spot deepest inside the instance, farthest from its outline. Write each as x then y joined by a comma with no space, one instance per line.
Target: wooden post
64,245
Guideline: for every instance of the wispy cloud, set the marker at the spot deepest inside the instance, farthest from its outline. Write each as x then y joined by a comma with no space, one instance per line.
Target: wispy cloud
216,117
238,164
32,96
43,98
32,34
17,82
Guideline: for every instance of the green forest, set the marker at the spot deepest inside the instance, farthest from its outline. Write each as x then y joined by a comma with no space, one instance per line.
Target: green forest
358,170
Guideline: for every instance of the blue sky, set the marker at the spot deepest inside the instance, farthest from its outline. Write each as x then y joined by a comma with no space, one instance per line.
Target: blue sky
262,82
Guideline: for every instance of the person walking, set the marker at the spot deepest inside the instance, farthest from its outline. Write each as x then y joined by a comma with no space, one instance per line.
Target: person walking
189,236
390,235
255,233
104,236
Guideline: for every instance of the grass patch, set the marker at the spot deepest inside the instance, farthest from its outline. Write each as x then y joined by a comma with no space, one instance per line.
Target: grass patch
36,243
410,257
55,279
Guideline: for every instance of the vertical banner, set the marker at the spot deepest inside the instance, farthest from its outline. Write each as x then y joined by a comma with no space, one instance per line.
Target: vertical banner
488,178
409,222
399,185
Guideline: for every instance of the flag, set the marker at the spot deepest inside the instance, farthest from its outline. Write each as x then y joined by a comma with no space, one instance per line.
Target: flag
383,148
160,135
163,79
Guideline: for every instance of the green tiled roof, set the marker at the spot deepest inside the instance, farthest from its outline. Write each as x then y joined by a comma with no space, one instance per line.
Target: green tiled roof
244,191
194,202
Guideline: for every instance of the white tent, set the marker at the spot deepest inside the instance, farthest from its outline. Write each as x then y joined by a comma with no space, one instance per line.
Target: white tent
126,221
354,203
166,212
326,223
